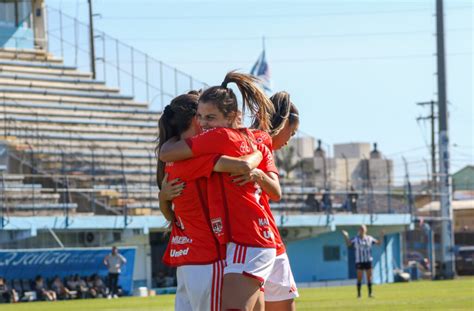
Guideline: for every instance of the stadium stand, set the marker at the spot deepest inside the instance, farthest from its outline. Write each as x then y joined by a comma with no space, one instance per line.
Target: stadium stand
73,143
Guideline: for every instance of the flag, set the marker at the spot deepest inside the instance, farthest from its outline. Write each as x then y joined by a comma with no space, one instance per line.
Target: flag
261,70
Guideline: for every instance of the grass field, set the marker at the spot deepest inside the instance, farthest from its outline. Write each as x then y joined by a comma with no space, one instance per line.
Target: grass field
423,295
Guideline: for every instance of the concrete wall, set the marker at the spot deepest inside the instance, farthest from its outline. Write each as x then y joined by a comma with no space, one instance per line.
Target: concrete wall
308,264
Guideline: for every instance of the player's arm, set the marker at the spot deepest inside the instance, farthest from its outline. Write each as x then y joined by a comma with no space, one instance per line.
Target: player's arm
175,150
241,165
106,260
346,237
269,182
169,191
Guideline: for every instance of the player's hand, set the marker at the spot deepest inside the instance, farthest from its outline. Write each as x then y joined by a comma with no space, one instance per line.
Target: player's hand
344,232
252,176
171,189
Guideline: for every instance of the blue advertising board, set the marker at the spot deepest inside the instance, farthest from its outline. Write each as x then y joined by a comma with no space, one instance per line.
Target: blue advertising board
27,264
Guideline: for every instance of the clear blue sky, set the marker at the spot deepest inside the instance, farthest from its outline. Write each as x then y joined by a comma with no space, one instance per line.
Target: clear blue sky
354,68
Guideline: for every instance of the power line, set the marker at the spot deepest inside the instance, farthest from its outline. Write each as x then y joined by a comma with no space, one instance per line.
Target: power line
310,60
260,16
294,37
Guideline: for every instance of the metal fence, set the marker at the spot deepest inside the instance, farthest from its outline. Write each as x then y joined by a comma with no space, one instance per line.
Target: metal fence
117,64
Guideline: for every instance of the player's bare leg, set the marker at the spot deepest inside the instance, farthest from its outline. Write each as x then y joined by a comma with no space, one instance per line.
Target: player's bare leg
284,305
260,304
239,292
369,281
360,275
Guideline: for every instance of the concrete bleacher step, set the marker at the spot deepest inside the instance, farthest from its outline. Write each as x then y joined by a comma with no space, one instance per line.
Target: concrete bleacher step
44,69
45,122
64,93
90,110
64,143
21,109
28,55
91,101
53,85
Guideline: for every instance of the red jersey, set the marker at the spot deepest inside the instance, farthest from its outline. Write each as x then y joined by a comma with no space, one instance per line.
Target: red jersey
192,241
236,213
264,138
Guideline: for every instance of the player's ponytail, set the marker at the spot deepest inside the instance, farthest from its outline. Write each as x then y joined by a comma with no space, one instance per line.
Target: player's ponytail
253,98
284,110
176,118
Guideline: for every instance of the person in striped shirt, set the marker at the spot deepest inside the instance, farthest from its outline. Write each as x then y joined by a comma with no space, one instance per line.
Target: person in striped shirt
362,244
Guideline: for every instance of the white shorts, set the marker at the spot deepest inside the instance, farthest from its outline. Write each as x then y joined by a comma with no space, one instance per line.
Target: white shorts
254,262
281,285
199,287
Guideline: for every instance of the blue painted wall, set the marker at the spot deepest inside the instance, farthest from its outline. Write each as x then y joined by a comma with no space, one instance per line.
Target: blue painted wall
308,264
19,38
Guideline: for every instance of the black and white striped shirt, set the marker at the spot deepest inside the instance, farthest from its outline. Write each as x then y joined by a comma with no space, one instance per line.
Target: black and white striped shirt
363,248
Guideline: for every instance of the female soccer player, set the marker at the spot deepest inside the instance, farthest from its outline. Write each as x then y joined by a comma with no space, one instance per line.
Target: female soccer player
192,247
280,288
237,217
362,244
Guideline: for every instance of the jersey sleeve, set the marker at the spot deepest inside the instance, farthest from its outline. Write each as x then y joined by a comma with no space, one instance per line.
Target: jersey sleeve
372,240
195,168
267,164
212,141
353,241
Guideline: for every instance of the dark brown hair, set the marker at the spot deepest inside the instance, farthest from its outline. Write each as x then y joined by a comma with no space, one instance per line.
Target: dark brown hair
284,110
176,119
253,98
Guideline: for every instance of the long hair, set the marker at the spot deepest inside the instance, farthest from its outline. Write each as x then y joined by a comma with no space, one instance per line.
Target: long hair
176,119
284,110
253,98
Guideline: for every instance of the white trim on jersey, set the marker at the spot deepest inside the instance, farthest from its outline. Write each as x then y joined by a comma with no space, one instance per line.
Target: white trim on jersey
363,248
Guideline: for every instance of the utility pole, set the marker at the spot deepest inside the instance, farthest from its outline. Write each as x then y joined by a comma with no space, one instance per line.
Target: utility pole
432,118
447,236
91,40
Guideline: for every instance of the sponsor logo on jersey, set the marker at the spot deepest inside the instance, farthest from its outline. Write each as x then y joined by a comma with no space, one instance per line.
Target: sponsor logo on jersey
181,240
183,252
268,234
263,222
216,225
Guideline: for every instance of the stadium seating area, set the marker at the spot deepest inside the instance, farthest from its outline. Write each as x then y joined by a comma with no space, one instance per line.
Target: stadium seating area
76,145
58,121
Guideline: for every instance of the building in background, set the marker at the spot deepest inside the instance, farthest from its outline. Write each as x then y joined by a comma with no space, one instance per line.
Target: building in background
22,24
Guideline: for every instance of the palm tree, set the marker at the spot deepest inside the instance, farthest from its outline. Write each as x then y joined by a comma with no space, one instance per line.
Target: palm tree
285,159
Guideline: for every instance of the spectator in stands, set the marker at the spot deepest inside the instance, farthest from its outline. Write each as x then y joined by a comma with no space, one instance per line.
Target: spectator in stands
352,198
62,292
114,263
326,200
7,294
42,293
312,203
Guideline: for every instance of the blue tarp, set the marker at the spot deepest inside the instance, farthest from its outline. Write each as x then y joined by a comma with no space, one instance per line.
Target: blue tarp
27,264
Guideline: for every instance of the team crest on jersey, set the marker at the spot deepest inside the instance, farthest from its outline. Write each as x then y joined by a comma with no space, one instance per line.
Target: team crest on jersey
216,225
244,147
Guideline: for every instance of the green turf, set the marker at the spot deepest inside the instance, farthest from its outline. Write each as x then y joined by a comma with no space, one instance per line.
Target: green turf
423,295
